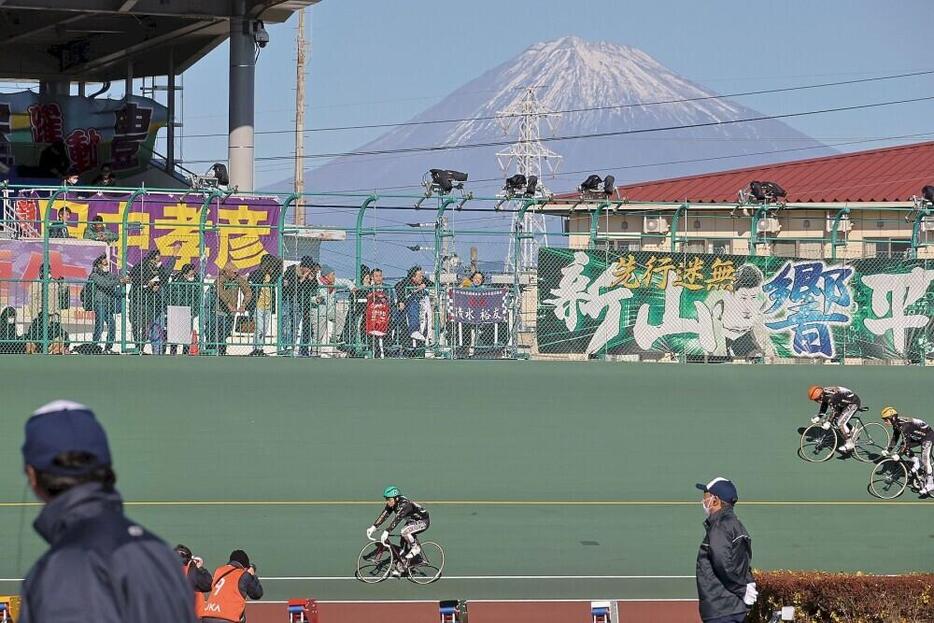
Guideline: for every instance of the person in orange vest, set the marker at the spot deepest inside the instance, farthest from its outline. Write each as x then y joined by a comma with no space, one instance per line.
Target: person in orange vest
198,577
233,584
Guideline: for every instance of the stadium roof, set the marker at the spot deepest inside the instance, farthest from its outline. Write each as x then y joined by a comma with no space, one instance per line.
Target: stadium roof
92,40
878,175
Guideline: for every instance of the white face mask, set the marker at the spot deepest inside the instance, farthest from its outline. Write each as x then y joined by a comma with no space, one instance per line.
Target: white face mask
707,509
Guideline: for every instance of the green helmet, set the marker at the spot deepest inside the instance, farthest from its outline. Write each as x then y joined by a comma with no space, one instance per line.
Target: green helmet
392,491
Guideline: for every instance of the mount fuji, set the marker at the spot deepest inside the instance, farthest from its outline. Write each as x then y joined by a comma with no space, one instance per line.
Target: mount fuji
622,86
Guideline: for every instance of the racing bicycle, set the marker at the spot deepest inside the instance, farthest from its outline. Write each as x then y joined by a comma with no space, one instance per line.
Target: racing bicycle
377,560
820,441
893,474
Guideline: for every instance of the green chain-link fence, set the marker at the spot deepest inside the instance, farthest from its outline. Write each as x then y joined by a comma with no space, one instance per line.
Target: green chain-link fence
163,272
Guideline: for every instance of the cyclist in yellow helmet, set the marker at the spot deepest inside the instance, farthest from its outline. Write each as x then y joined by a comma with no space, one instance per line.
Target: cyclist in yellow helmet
412,513
844,403
914,433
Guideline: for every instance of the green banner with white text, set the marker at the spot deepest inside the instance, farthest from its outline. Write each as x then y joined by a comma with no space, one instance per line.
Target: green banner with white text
732,307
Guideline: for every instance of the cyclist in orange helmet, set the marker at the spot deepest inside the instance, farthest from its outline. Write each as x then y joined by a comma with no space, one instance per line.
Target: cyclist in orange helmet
843,403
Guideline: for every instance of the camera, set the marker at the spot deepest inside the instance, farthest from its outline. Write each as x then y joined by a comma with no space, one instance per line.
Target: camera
260,36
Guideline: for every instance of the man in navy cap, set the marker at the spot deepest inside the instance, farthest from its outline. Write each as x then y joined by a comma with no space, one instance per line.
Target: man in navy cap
100,565
725,586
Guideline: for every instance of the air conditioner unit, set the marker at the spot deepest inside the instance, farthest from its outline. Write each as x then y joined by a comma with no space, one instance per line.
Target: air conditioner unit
655,225
927,224
845,224
768,226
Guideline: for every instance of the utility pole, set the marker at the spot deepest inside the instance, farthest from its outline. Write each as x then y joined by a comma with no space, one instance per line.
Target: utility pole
527,154
301,51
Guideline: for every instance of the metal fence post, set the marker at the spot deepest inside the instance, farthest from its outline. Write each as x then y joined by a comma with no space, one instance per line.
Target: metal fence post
834,228
440,234
920,214
280,249
124,235
674,226
358,232
46,272
595,224
202,259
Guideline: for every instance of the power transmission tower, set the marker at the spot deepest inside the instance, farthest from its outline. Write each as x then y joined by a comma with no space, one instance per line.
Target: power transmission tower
527,155
301,51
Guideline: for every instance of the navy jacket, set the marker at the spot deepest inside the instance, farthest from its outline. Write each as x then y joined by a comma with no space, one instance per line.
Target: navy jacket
723,566
102,567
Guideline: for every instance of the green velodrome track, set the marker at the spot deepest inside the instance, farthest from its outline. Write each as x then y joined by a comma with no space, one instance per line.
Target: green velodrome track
582,472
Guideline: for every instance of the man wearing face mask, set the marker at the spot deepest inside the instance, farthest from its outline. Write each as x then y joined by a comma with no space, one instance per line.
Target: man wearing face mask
725,587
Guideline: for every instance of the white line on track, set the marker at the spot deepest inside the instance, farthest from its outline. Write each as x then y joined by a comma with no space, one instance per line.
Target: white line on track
501,577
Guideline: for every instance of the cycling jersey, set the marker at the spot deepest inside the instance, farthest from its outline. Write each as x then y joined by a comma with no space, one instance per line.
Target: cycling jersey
405,509
915,432
838,398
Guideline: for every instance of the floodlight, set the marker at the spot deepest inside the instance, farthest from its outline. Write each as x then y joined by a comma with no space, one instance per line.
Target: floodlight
591,184
532,186
928,193
446,180
609,185
514,184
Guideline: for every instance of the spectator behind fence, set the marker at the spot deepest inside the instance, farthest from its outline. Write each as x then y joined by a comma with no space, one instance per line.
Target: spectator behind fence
198,577
105,177
329,288
59,227
378,314
351,341
299,291
58,296
233,583
100,566
147,302
229,286
262,304
412,297
185,291
58,339
96,230
10,341
103,294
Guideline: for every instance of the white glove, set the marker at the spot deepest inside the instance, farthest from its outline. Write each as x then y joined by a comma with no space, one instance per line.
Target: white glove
384,537
895,457
751,594
370,531
885,453
815,419
825,425
199,562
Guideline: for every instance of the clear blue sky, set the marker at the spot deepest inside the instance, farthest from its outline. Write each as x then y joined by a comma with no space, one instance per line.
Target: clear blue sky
374,62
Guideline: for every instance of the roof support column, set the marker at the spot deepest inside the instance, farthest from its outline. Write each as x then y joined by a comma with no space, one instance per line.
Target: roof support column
241,99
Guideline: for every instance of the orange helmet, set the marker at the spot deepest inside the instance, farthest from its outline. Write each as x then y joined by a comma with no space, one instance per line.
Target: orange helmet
815,392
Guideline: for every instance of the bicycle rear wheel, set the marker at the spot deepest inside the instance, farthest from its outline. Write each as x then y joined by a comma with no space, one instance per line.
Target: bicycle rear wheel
374,563
429,567
870,439
817,444
888,479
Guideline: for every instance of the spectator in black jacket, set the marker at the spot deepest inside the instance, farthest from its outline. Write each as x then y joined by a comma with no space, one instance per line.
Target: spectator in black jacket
725,586
94,547
10,341
299,296
147,304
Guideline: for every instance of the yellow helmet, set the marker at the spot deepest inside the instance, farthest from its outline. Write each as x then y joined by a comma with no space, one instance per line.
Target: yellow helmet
888,412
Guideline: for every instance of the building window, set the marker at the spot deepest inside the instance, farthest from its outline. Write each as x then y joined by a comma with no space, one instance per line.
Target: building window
621,246
887,247
695,246
721,247
784,248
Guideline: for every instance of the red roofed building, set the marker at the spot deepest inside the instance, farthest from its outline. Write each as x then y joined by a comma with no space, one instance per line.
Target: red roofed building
861,204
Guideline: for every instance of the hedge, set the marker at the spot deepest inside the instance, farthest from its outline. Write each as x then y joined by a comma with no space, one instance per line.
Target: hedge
845,597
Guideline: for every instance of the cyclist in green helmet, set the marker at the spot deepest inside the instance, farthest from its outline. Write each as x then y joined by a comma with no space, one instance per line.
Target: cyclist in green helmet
412,513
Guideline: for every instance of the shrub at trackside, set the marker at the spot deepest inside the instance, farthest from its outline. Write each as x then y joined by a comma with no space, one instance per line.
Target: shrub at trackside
845,597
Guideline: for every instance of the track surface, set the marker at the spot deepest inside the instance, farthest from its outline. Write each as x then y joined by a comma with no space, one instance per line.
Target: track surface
580,472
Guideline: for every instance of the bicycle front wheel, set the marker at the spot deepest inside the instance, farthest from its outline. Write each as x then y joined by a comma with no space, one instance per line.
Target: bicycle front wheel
430,564
374,563
870,439
817,444
888,479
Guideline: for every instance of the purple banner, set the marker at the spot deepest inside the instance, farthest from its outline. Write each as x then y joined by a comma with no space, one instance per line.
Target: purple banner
238,229
475,306
20,261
